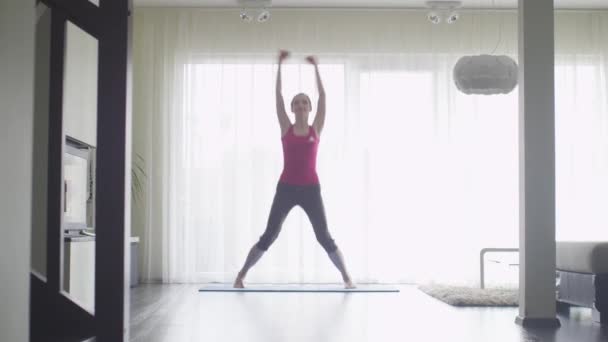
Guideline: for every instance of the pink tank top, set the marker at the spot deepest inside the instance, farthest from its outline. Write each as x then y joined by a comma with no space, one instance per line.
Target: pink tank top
300,158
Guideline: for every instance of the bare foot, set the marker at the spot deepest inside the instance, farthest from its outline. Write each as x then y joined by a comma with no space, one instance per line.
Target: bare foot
348,284
238,282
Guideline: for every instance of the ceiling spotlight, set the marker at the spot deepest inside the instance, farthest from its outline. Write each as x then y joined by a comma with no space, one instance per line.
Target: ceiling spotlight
257,9
264,16
452,17
443,11
245,16
434,17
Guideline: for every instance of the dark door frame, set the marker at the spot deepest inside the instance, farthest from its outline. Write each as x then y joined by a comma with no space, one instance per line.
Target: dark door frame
53,314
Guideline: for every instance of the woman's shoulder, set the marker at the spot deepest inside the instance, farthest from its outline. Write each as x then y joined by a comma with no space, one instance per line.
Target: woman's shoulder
285,130
314,131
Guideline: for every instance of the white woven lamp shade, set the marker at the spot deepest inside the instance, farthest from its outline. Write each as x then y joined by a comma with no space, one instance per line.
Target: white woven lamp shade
485,74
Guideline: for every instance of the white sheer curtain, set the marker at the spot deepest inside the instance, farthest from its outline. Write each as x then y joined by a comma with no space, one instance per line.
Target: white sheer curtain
416,177
582,146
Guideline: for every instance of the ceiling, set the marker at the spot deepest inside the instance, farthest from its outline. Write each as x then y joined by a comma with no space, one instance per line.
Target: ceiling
566,4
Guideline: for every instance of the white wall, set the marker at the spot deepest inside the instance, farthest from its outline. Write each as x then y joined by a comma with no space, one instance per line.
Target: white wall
16,116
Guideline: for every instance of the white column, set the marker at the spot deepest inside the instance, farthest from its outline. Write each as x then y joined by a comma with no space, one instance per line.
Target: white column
536,164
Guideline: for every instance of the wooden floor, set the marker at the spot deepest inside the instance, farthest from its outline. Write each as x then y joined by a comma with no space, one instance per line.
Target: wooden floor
180,313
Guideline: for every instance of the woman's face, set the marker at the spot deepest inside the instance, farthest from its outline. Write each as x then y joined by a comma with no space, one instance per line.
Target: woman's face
301,104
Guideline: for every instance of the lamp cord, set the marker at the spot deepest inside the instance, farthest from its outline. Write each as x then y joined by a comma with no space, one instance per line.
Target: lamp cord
499,31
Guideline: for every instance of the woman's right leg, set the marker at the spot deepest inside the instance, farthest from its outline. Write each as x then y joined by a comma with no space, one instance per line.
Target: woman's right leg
281,205
254,255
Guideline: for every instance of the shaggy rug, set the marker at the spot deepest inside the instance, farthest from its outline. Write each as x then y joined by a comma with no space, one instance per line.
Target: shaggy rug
470,296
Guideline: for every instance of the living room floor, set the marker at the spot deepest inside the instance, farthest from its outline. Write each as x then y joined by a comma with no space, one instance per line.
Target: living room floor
181,313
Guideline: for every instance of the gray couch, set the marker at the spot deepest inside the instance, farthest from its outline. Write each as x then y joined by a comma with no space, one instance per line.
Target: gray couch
583,277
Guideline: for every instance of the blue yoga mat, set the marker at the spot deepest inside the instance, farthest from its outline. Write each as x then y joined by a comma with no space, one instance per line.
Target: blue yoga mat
298,288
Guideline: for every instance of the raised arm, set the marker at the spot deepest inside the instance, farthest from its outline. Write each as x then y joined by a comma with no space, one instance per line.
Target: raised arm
320,116
281,113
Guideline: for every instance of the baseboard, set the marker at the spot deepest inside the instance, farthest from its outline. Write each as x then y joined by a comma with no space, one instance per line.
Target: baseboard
531,322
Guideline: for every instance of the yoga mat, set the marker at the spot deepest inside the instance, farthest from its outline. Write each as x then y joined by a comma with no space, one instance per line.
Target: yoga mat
338,288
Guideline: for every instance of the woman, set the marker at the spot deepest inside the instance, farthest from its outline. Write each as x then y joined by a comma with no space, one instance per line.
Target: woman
299,183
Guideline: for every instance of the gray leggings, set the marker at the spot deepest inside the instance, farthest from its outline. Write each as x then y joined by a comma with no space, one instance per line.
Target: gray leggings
309,198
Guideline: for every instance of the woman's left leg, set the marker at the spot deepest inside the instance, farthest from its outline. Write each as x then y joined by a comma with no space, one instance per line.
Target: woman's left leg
312,203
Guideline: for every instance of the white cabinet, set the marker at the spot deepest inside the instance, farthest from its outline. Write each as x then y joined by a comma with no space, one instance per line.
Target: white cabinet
80,85
79,269
79,272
